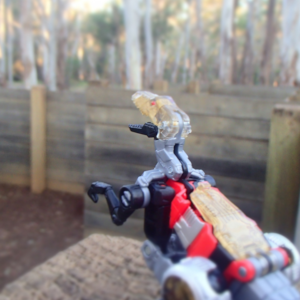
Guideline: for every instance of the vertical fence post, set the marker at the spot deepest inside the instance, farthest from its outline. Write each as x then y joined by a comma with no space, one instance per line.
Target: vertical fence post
38,139
283,171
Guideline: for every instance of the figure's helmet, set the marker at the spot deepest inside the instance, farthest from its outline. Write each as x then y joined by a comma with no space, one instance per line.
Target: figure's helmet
164,113
170,126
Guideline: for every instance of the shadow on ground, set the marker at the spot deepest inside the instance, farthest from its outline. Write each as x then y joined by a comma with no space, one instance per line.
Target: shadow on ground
35,227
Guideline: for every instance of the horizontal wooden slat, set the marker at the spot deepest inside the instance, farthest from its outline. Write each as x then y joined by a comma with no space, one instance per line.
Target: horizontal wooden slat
62,109
203,124
117,152
66,96
123,173
11,94
65,170
261,92
14,141
13,115
14,168
22,180
15,156
68,187
14,128
217,147
65,149
202,103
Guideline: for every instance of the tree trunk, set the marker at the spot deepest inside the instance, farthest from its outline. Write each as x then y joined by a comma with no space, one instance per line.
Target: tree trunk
157,60
199,59
10,43
148,45
268,44
247,70
235,73
192,64
62,44
112,63
290,52
51,54
186,49
226,50
177,58
2,44
27,45
132,45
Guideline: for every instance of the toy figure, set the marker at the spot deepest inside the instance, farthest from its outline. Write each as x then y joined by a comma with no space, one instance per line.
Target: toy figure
200,245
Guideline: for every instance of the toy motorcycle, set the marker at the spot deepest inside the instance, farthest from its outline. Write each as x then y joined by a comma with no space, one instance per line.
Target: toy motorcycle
200,245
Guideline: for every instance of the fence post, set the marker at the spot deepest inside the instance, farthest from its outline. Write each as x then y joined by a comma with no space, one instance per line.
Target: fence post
283,171
38,139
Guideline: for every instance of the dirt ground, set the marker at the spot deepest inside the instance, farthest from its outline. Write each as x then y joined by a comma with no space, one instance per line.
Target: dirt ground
35,227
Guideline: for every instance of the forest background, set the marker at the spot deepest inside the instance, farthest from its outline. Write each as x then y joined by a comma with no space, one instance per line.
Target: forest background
132,43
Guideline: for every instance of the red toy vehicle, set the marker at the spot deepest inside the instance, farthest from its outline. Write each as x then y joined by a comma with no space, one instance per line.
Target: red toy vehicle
200,246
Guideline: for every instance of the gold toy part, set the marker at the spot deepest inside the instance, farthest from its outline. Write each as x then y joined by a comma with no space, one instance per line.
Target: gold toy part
238,234
164,113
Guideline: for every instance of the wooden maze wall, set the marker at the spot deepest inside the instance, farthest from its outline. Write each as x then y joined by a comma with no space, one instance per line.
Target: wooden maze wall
88,139
229,141
65,139
14,136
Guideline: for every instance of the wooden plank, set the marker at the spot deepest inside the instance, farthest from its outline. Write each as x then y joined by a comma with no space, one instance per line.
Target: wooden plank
66,96
202,103
65,170
202,124
38,139
14,169
283,171
14,155
62,109
14,141
261,92
118,152
239,188
216,147
13,115
14,128
64,132
65,148
68,187
11,94
125,173
14,179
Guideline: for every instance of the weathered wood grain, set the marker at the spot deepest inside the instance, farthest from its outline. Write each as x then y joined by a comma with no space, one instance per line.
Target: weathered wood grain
99,267
283,172
262,92
211,146
63,186
68,97
70,149
119,152
201,123
202,103
22,180
65,170
12,94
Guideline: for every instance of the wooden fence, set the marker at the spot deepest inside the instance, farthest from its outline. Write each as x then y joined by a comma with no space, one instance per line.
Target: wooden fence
65,118
229,141
87,139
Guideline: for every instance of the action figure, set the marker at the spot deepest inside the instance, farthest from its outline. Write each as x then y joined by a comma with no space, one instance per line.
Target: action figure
200,245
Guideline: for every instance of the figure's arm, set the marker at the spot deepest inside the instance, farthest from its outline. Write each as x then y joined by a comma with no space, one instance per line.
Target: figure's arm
131,198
